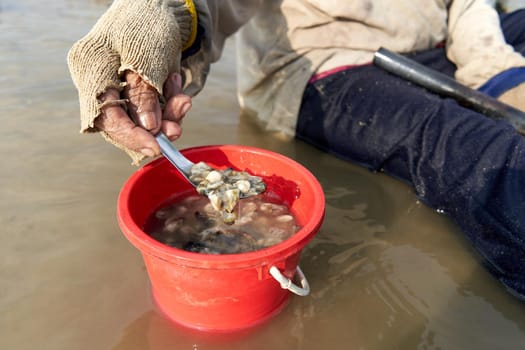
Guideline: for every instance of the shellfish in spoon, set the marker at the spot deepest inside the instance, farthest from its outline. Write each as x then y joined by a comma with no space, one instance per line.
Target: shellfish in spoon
224,188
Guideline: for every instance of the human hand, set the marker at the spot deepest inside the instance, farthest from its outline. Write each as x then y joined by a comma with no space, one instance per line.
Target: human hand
135,129
515,97
142,36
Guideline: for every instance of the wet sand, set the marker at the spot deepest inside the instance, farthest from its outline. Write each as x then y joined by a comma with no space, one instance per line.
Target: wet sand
385,271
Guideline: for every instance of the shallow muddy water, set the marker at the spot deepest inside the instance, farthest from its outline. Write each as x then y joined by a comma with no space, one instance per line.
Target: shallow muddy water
385,271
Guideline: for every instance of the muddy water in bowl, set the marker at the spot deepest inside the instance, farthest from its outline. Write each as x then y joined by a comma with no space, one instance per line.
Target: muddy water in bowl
193,224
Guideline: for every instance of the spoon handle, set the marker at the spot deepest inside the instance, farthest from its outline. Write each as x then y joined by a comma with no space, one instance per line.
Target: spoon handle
173,155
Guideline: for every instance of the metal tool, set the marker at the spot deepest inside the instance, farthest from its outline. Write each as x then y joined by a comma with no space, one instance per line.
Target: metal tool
176,158
184,165
444,85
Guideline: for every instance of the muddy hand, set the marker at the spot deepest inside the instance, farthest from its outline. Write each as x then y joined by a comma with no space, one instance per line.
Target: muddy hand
145,118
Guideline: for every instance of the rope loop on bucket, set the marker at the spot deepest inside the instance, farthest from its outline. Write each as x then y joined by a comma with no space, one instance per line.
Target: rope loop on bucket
287,283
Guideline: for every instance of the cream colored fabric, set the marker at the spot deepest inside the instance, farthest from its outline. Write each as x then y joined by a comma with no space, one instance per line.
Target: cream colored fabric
476,43
287,41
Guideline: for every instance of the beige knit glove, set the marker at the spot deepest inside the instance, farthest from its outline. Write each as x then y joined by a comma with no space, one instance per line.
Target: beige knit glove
143,36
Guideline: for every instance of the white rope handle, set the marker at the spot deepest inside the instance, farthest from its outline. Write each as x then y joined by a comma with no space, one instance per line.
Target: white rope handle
287,283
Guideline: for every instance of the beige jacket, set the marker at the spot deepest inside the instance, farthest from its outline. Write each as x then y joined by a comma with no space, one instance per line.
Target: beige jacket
282,43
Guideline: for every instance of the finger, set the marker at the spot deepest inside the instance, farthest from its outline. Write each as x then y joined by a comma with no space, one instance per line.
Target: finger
117,124
171,129
178,104
173,85
176,108
144,107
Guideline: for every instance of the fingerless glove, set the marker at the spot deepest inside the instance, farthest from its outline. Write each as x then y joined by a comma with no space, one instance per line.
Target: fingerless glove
144,36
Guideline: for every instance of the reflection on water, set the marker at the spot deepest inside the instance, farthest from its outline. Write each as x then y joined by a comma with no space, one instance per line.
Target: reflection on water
385,272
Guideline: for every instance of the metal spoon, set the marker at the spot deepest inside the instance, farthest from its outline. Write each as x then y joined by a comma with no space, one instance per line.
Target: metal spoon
176,158
184,165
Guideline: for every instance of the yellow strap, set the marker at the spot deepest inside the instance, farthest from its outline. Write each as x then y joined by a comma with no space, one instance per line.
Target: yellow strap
193,34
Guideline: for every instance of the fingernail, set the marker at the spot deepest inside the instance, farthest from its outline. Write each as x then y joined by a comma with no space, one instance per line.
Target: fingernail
148,152
185,108
147,122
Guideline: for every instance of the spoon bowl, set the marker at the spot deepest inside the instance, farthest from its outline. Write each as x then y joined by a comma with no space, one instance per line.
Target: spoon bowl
185,166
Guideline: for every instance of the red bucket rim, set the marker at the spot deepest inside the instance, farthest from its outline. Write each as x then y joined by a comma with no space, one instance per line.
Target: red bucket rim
148,245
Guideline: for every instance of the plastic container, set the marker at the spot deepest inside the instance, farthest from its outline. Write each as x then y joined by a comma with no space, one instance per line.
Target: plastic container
232,291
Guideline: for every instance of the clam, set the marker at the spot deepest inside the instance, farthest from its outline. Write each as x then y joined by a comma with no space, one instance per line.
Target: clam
224,188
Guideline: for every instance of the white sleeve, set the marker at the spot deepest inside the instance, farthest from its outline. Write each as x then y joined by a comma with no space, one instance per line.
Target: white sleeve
475,42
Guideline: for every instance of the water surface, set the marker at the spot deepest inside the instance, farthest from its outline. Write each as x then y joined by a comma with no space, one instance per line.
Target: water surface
385,271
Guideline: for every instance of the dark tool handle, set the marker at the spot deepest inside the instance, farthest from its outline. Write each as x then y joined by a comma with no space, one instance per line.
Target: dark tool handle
446,86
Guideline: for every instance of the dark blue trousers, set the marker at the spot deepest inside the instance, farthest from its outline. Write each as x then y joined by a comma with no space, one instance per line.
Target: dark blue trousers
467,165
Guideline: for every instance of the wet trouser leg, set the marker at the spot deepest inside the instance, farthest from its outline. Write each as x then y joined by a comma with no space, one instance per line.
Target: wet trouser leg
459,161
